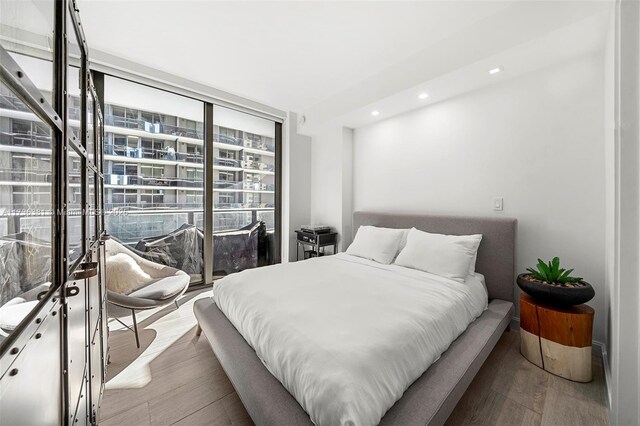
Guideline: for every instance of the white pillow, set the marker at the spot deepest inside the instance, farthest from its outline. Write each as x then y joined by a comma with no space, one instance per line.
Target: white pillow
124,275
403,241
472,264
378,244
449,256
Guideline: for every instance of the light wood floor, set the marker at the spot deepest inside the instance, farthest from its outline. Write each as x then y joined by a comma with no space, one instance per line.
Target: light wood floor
174,378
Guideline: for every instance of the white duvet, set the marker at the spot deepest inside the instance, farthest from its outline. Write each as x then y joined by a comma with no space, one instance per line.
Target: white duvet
347,336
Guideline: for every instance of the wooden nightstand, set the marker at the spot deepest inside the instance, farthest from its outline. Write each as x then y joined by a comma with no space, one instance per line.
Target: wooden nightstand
557,339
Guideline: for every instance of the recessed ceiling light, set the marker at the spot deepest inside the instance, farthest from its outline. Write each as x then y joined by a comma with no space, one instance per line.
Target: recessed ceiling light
375,113
495,70
423,96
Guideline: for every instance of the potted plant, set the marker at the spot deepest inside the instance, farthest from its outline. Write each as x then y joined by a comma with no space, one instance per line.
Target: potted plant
550,283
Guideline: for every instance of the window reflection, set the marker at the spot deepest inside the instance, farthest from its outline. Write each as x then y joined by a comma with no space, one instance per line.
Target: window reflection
25,210
26,32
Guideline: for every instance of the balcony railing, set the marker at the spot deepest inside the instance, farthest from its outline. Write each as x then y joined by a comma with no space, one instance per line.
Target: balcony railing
251,186
256,165
161,128
187,157
27,176
227,184
152,206
27,139
247,143
183,206
73,113
227,162
229,140
243,205
261,145
259,186
155,154
8,101
176,182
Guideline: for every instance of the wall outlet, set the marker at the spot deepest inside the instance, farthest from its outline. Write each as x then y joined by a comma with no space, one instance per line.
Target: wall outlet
498,204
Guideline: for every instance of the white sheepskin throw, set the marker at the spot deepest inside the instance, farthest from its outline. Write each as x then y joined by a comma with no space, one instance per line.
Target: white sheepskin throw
124,275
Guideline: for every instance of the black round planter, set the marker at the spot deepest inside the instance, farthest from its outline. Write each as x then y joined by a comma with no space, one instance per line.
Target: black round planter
556,295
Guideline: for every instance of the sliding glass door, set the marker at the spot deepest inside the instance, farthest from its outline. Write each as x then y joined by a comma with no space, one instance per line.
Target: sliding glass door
153,165
244,191
155,172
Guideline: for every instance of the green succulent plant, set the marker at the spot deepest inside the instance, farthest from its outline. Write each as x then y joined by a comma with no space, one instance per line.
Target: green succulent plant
551,272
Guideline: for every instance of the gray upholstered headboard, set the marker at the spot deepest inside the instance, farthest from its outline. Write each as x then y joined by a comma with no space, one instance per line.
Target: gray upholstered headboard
497,252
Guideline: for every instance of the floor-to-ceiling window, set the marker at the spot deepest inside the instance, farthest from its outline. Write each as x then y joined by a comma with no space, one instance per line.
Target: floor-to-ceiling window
154,191
153,162
244,190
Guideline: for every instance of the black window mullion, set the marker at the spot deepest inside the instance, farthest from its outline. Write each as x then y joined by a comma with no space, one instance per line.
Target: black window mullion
278,194
208,193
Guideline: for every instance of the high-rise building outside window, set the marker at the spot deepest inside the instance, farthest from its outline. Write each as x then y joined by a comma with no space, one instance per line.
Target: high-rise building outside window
154,177
154,174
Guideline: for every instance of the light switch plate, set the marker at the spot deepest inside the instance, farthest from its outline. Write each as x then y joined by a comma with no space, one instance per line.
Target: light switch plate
498,204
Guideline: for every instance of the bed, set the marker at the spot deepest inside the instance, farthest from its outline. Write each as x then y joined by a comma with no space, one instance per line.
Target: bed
431,398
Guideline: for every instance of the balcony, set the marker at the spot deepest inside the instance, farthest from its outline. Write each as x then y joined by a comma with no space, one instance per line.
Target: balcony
227,184
256,165
241,206
160,182
111,207
73,113
160,128
140,223
27,176
26,139
259,186
246,143
154,154
227,162
229,140
11,102
260,145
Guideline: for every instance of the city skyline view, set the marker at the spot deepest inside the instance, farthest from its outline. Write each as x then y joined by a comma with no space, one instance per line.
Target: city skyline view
153,165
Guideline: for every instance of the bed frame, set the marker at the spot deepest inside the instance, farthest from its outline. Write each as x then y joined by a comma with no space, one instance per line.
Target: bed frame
430,399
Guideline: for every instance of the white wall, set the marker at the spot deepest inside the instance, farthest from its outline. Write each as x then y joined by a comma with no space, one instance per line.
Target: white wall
331,181
298,159
536,140
625,292
610,199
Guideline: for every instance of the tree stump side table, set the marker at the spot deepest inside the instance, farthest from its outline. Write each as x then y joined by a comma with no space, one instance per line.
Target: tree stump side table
557,339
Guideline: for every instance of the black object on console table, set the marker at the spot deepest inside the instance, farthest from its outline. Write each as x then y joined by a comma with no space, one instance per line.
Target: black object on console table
316,241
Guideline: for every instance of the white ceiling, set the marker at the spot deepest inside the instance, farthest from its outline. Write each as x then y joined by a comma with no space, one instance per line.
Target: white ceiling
333,61
290,55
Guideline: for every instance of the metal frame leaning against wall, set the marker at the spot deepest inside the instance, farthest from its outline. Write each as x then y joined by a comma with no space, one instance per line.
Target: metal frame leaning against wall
54,115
